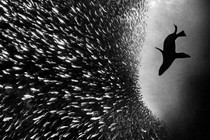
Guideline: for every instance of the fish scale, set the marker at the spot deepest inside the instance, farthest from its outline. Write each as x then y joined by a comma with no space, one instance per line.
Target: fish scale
66,74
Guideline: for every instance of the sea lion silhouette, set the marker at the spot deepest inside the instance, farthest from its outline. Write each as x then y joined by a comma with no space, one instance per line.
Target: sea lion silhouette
168,52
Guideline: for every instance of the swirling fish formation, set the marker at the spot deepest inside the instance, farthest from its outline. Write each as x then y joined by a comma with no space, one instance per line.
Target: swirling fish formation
66,72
